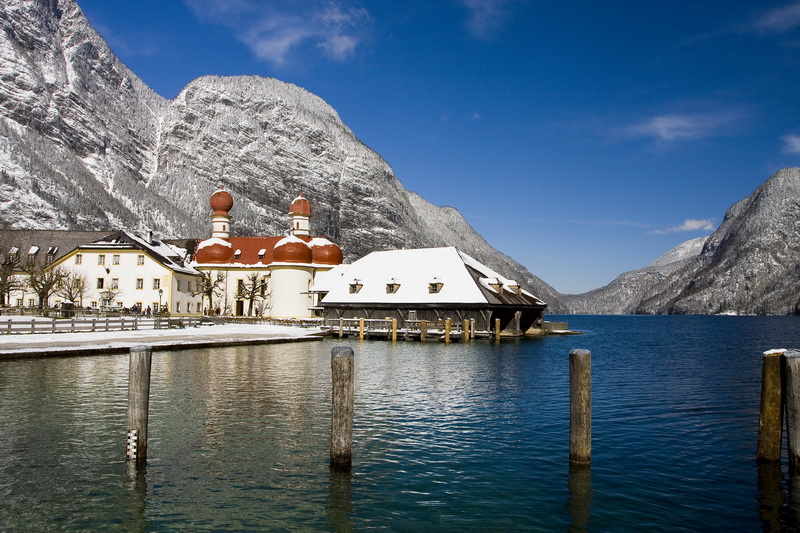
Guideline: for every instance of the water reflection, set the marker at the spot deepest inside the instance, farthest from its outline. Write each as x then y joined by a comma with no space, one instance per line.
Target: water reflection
340,501
579,503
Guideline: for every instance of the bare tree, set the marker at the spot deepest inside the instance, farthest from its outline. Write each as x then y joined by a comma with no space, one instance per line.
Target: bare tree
44,282
209,286
251,290
73,287
9,279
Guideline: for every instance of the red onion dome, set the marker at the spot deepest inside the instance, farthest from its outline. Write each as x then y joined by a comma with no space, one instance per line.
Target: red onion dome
213,251
221,202
300,206
324,252
291,250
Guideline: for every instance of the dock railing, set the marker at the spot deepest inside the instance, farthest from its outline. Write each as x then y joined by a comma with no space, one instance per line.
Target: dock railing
10,326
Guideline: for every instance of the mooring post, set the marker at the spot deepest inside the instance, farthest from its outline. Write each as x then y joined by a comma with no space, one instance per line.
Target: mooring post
141,357
394,330
497,329
770,420
447,331
465,330
792,362
423,330
580,407
341,328
343,378
361,329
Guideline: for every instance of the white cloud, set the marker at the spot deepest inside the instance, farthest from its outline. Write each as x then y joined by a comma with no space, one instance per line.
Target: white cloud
487,17
274,29
690,224
679,127
781,20
791,144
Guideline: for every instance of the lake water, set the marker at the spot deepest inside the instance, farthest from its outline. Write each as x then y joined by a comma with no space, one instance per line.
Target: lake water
459,437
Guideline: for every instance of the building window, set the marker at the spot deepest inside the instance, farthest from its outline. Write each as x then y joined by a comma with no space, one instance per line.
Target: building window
19,302
101,259
177,307
78,259
100,282
51,254
240,286
412,314
355,286
392,287
156,283
115,259
115,283
94,304
261,253
31,302
435,287
140,260
237,254
140,283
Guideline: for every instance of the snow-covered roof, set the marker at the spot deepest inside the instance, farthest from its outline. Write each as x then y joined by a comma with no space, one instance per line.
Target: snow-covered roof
171,257
458,276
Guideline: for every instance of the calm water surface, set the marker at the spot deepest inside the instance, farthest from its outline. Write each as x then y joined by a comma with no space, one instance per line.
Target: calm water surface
447,438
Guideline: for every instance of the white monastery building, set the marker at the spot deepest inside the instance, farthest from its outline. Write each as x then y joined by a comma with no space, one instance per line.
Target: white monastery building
268,276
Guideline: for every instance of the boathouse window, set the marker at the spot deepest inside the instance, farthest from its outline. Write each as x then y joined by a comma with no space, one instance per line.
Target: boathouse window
392,287
355,287
412,314
435,287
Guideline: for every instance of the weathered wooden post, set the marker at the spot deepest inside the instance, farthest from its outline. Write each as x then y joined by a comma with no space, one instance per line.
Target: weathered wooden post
423,330
141,357
361,329
447,331
465,330
580,407
792,363
343,378
770,421
394,330
341,328
497,329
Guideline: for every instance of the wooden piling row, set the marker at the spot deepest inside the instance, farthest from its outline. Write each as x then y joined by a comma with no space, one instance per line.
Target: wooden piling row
780,396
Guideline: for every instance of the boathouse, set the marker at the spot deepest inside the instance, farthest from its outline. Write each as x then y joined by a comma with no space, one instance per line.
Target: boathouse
428,284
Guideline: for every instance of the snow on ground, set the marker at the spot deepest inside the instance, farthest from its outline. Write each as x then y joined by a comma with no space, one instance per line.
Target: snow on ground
222,333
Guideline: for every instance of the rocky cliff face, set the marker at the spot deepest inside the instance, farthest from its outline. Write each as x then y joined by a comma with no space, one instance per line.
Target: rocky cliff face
85,144
750,265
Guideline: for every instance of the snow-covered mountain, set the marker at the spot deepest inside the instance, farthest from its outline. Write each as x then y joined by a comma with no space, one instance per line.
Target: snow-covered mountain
85,144
749,265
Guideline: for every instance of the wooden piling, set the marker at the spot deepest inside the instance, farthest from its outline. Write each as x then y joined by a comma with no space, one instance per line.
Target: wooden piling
770,421
792,398
341,328
361,329
580,407
447,331
343,377
394,330
423,330
465,330
497,329
141,357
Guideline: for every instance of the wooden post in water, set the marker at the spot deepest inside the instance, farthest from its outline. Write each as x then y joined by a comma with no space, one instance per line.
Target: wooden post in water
141,357
423,330
497,329
447,331
343,377
394,330
465,330
792,362
341,328
361,329
580,407
770,420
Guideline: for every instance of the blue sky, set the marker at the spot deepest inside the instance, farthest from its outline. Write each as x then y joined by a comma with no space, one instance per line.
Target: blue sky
583,139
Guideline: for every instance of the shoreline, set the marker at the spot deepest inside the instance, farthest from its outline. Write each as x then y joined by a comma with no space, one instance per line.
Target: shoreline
27,346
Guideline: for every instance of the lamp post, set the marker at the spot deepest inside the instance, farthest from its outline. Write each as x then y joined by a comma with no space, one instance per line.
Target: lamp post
160,293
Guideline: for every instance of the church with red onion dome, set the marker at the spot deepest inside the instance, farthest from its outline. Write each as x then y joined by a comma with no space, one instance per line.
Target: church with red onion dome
267,276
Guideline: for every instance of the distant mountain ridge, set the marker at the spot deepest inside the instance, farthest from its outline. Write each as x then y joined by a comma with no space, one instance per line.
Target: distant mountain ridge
749,265
85,144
